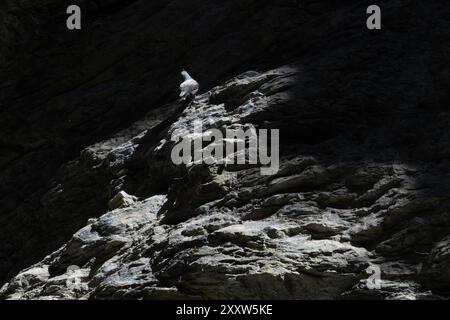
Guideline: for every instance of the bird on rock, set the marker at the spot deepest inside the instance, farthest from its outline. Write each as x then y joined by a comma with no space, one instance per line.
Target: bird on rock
189,87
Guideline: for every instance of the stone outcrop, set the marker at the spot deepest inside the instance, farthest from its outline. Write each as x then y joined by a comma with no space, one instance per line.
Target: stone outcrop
94,208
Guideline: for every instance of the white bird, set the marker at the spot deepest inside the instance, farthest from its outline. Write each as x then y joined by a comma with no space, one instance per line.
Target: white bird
189,87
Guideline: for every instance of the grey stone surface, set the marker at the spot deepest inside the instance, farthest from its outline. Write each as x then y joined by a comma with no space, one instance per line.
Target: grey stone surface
363,182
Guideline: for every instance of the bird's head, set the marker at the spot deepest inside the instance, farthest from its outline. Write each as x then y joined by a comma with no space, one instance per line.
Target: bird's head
185,74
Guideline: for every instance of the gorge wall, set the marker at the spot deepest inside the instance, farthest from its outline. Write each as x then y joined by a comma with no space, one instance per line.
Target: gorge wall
364,134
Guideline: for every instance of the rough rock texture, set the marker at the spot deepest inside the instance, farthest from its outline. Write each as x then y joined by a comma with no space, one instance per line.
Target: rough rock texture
363,183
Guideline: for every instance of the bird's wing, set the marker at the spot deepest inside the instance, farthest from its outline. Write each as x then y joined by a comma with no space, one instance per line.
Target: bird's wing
184,85
188,86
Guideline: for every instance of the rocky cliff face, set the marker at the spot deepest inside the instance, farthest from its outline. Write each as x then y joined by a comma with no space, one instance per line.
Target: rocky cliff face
93,207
